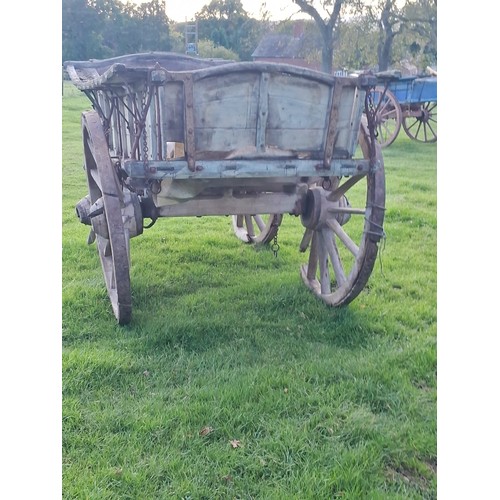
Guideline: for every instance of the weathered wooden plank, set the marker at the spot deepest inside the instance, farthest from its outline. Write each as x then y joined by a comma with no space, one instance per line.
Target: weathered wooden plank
244,169
262,113
172,99
228,205
226,112
349,118
304,140
297,113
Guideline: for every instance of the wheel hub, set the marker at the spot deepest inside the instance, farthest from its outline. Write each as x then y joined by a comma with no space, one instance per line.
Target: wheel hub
318,209
95,215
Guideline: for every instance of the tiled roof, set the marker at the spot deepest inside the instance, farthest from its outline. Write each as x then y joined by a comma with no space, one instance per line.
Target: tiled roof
280,46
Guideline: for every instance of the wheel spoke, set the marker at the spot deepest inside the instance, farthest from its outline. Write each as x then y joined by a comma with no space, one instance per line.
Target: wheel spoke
306,239
324,273
260,223
347,210
312,265
348,184
249,224
384,111
433,132
333,253
343,236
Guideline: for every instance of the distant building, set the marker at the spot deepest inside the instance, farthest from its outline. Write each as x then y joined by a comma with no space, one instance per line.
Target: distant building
288,49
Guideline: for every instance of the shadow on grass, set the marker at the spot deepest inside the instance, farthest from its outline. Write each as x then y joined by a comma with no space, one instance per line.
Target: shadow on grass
284,319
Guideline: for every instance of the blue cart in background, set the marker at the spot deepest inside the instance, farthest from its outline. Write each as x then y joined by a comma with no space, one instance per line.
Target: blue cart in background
410,102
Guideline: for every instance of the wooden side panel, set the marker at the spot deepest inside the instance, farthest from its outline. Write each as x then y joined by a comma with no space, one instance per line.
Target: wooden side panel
349,119
172,99
298,110
250,113
225,112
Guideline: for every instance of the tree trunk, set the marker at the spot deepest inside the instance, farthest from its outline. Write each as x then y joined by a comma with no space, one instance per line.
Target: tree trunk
327,59
327,34
385,52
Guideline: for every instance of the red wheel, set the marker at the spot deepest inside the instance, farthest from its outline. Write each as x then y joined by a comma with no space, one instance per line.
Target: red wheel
420,124
388,116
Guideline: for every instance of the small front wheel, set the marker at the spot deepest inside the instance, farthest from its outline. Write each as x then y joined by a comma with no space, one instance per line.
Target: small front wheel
257,228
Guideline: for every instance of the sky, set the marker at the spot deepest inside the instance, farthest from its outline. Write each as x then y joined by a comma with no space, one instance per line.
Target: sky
179,10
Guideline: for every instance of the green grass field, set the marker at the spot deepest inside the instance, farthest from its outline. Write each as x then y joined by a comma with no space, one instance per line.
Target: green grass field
233,380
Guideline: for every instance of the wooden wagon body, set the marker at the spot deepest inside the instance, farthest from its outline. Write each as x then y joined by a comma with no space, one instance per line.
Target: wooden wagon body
172,135
414,90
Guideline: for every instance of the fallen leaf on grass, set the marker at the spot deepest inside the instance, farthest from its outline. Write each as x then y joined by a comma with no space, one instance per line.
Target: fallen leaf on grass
235,443
206,431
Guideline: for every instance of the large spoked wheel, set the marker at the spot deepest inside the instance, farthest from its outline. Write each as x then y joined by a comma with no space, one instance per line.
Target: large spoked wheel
106,196
420,124
388,116
344,223
258,229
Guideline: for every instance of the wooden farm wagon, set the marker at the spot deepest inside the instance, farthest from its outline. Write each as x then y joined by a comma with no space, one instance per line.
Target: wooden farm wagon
171,136
410,102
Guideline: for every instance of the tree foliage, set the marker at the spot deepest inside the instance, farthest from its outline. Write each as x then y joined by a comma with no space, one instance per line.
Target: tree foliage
106,28
353,34
226,23
377,34
208,49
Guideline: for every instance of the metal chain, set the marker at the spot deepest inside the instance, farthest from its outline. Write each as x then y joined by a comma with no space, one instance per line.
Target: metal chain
275,246
371,114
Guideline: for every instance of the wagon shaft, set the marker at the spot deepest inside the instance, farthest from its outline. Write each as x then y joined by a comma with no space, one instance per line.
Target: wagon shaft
173,136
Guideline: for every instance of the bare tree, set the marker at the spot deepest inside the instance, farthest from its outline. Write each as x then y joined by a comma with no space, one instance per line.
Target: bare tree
413,16
327,27
390,22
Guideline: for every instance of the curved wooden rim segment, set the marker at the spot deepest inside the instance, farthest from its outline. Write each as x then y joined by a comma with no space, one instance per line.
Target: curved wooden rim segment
389,113
113,252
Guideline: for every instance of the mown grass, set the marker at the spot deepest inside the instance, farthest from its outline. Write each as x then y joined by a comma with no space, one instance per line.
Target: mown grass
227,344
